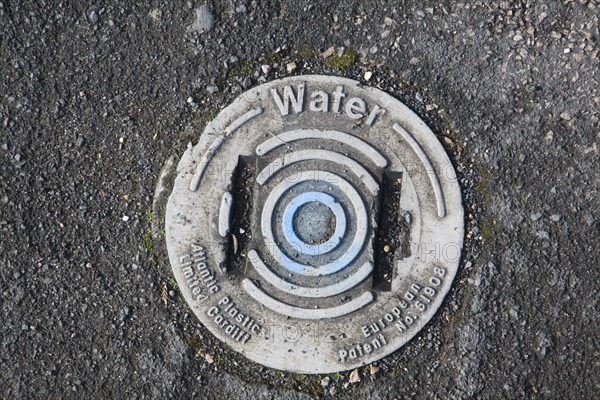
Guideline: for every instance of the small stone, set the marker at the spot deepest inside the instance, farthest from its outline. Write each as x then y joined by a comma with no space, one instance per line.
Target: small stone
190,100
567,50
5,146
265,69
325,381
536,216
247,83
419,97
329,52
233,59
291,67
543,235
235,243
368,75
156,14
209,358
373,369
205,20
566,116
125,218
354,376
79,141
589,219
555,217
212,89
93,17
387,248
517,38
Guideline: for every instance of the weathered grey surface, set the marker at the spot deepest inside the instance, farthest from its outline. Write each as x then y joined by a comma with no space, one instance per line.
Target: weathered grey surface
302,308
514,85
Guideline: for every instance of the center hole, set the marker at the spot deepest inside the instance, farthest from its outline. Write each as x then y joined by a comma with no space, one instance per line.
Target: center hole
314,223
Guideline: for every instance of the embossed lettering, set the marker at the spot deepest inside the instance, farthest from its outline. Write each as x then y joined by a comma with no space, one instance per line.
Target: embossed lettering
297,101
439,271
403,325
374,113
361,349
320,102
355,107
338,95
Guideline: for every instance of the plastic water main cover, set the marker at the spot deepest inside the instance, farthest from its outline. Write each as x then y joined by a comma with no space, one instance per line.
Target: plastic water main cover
316,226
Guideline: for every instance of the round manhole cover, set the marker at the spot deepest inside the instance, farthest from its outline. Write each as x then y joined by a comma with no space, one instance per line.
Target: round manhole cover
316,226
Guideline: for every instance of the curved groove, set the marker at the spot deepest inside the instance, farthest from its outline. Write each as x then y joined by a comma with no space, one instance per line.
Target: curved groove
433,178
319,154
235,125
225,214
214,146
338,136
204,160
306,313
353,280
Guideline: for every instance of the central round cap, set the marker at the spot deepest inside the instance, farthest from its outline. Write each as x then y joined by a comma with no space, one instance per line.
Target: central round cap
314,222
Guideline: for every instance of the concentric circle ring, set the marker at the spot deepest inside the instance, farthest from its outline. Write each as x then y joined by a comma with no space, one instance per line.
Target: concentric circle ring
362,223
299,244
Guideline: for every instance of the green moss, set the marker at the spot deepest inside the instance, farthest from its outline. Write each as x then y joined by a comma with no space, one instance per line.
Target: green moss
488,230
346,60
148,241
309,53
273,58
482,186
242,69
173,283
193,341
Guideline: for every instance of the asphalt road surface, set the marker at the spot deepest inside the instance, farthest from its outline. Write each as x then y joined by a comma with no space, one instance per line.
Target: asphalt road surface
95,98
